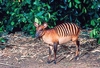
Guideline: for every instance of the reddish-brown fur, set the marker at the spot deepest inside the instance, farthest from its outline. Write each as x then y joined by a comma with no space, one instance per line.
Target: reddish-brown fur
51,37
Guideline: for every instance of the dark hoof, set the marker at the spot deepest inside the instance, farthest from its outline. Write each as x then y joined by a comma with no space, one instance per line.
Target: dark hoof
54,62
75,58
48,62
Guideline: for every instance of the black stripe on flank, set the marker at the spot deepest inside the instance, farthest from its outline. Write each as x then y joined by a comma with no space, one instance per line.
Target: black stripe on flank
68,25
58,30
73,28
61,29
65,29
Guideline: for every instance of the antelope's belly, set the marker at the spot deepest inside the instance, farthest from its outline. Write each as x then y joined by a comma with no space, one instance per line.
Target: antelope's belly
48,40
63,40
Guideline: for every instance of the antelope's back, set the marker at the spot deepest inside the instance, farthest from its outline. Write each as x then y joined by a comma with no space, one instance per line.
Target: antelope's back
67,29
67,32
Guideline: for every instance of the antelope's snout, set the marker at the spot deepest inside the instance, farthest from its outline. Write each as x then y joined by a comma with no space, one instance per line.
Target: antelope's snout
37,35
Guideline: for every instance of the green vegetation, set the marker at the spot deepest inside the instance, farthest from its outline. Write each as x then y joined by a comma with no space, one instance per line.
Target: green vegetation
21,14
95,33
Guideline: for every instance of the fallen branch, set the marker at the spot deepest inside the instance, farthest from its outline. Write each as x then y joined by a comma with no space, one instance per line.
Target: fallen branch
9,65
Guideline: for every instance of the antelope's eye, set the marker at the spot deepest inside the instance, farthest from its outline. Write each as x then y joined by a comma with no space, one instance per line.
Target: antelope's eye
41,29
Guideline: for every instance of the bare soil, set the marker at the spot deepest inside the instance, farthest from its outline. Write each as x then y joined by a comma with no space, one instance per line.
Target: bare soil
21,51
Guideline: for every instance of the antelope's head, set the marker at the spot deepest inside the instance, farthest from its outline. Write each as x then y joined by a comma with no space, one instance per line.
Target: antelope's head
40,29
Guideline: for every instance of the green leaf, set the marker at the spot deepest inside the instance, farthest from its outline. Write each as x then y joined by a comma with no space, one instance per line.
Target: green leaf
46,19
7,12
12,14
49,15
99,41
48,6
36,20
98,19
92,6
77,1
1,29
0,1
93,23
40,13
36,2
16,9
80,6
84,10
9,28
68,0
23,19
76,5
94,31
12,23
28,1
38,8
84,1
2,40
70,4
91,34
62,6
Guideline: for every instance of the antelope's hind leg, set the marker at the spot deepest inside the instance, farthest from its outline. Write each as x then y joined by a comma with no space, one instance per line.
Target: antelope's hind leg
55,51
77,43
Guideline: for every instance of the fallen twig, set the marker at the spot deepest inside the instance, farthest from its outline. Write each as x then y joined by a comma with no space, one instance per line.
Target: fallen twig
9,65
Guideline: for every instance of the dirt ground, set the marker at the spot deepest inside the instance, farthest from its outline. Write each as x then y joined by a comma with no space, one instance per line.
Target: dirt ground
21,51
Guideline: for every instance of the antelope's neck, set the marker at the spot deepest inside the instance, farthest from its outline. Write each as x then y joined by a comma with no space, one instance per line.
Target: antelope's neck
46,31
49,36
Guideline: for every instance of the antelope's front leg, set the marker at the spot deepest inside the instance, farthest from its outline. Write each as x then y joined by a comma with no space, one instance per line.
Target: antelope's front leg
50,51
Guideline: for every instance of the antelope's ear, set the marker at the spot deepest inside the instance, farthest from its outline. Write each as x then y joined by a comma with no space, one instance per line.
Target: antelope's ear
36,24
45,25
